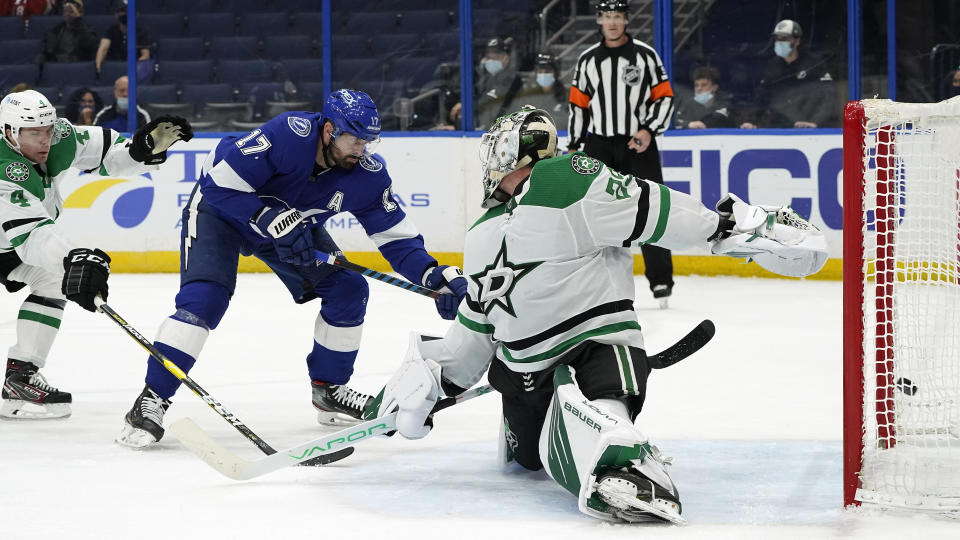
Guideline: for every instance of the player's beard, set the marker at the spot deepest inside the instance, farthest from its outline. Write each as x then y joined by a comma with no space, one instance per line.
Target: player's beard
331,158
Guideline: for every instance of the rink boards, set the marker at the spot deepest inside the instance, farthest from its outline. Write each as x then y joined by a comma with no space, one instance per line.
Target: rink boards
437,182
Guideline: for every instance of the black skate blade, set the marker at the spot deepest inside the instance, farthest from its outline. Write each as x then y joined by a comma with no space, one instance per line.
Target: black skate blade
327,459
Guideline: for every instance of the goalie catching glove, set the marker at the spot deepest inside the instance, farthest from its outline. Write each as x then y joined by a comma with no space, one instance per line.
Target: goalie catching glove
776,238
149,143
412,393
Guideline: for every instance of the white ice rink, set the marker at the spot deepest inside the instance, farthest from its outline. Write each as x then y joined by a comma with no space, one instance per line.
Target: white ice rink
753,423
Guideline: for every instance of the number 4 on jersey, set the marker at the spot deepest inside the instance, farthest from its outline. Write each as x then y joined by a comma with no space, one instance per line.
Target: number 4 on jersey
17,198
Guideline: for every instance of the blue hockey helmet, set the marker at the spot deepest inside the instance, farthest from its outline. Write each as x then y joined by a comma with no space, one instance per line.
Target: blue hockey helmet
353,112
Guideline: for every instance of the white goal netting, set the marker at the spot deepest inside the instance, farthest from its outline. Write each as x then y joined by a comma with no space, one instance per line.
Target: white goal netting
911,305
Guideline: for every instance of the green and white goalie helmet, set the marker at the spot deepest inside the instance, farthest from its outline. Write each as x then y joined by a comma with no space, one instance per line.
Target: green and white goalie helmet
25,109
515,140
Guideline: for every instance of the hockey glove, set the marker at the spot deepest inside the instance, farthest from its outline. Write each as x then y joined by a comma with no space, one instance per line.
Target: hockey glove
150,143
85,276
291,236
412,392
450,281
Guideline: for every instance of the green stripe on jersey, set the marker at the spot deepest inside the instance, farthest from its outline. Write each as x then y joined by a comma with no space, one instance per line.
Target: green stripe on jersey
16,241
629,384
475,326
569,343
38,317
662,217
490,214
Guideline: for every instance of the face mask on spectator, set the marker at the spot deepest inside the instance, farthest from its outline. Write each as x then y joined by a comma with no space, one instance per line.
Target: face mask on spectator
703,97
782,48
123,103
493,66
546,80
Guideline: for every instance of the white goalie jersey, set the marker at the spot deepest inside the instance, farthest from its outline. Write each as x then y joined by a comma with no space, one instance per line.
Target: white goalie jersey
552,267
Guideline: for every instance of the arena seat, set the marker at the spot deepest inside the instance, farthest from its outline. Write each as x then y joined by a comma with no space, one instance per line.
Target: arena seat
234,48
184,71
81,73
238,71
310,69
167,25
156,93
263,24
210,25
187,48
39,24
19,51
11,28
289,47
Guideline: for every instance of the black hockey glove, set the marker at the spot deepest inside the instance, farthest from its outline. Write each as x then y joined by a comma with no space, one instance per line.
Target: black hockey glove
150,143
85,276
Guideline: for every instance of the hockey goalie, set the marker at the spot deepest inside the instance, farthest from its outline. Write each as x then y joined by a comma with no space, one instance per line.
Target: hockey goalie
549,313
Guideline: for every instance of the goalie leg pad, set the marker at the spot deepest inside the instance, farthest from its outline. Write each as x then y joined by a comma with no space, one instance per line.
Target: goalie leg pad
583,440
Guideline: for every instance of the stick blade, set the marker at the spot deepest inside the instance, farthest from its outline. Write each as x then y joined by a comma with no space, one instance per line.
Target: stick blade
209,450
688,344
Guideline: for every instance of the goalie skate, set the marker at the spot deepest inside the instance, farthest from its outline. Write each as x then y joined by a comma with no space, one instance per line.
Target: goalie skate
338,405
28,396
636,499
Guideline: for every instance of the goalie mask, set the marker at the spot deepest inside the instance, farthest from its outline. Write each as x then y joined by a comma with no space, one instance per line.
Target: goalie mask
27,109
515,140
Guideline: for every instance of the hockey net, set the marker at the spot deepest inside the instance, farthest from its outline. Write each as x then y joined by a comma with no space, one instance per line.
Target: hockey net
902,304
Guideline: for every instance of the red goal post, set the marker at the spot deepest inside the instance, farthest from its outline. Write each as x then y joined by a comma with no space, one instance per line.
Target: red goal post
901,297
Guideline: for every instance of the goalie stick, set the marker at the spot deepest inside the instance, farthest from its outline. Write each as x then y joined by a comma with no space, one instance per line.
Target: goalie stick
687,345
203,394
327,258
238,468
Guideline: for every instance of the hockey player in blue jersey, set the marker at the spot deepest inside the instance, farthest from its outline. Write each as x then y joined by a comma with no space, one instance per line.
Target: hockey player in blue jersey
268,194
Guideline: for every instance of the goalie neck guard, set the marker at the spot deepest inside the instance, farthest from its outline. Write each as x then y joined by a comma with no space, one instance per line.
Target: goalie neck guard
515,140
25,109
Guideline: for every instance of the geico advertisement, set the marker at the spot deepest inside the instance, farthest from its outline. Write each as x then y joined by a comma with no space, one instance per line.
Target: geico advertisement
437,183
142,213
804,171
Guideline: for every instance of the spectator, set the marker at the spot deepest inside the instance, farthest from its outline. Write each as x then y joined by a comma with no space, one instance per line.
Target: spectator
115,116
796,89
113,46
497,84
82,107
20,87
953,84
73,40
546,91
709,107
25,8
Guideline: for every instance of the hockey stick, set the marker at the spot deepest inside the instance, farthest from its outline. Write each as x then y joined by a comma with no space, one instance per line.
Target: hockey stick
238,468
687,345
198,390
327,258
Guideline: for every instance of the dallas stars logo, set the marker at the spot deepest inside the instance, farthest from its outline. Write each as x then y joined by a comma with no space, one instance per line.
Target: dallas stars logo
18,172
497,280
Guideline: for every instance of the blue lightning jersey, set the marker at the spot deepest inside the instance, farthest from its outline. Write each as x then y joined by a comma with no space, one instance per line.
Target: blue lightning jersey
274,165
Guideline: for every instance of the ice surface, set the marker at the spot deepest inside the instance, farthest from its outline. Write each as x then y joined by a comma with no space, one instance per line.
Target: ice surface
753,422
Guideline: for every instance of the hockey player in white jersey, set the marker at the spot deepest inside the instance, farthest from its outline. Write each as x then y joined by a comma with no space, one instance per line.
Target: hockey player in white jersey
37,152
549,313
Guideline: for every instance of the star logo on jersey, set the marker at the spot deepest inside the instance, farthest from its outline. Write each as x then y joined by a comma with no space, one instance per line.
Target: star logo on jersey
630,75
496,281
585,165
63,130
18,172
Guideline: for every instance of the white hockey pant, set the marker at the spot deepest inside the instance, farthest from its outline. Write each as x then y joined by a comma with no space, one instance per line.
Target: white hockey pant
581,438
40,315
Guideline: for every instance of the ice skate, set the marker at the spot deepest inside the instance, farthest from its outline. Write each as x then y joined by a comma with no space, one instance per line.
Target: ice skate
143,425
27,395
338,405
661,293
635,498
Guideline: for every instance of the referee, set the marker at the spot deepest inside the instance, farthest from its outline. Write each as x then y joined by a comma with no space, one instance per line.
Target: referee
620,99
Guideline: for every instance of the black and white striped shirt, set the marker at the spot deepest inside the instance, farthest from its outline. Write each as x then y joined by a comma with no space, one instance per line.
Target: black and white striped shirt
618,91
